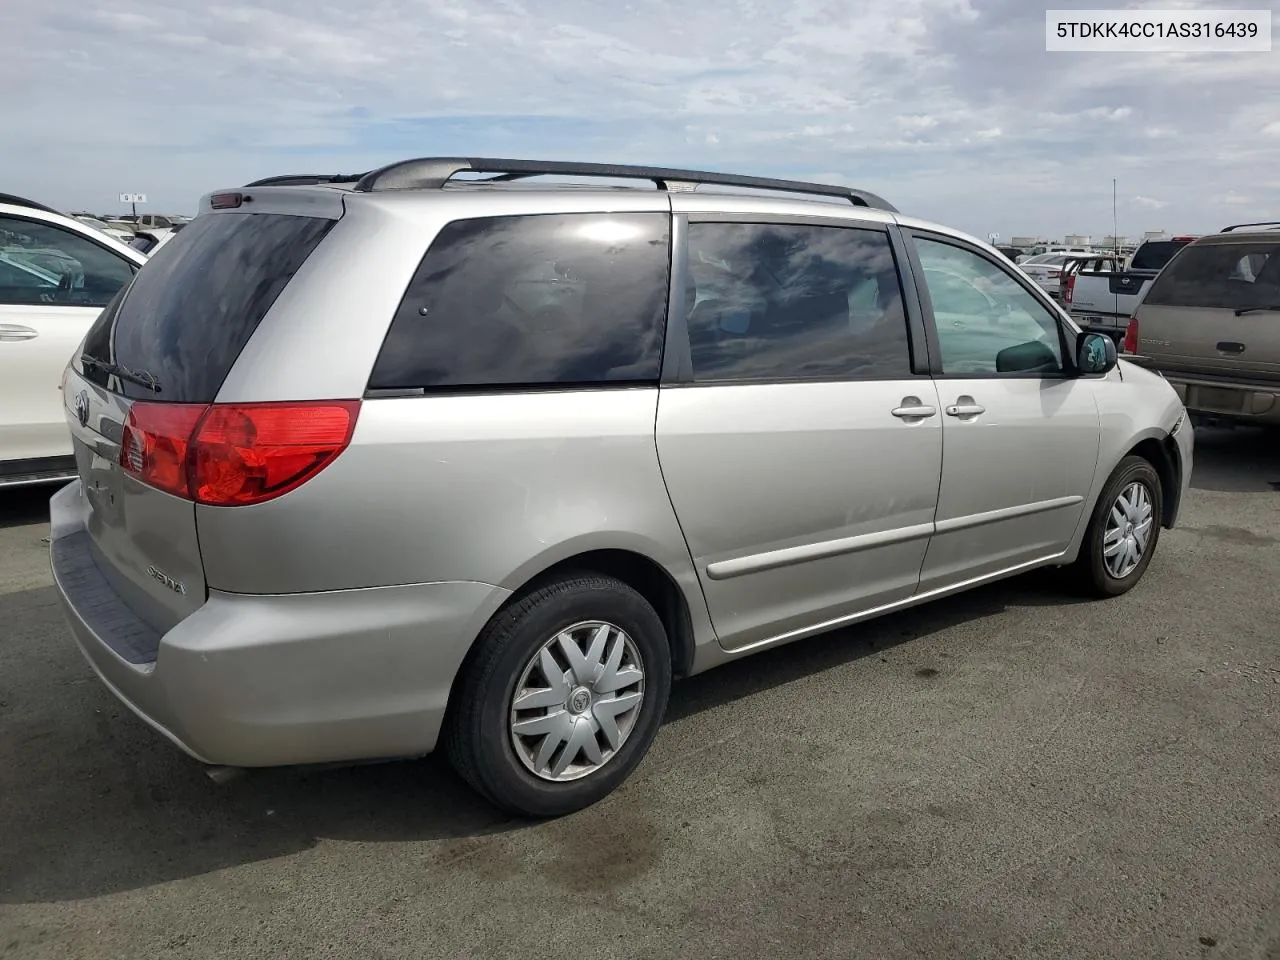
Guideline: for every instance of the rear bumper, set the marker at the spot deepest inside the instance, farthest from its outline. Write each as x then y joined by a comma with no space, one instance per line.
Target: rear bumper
1091,322
1243,402
272,680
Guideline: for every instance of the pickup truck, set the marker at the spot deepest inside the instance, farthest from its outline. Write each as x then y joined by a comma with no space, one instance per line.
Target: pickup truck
1101,297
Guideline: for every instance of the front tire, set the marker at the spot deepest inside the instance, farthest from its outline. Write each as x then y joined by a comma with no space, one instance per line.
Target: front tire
562,696
1123,531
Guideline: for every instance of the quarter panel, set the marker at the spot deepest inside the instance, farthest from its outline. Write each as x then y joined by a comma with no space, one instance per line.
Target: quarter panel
487,488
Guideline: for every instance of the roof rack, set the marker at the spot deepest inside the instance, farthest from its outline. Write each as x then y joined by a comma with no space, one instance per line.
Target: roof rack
1264,223
23,202
305,179
432,173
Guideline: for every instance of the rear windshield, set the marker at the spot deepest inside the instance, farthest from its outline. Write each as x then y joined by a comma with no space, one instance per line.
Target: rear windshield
1155,254
187,315
1229,276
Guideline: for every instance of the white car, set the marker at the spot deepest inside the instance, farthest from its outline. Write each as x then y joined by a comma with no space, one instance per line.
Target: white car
56,275
149,241
112,231
1046,270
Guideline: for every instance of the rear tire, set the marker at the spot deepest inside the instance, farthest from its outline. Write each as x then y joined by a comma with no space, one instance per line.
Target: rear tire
1125,519
561,697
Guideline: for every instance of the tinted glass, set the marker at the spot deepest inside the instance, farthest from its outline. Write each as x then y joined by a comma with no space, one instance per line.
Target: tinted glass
533,300
44,265
986,322
774,301
188,315
1155,254
1228,275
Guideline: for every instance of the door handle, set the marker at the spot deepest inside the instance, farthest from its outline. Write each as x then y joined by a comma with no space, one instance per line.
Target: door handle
912,409
965,408
1230,346
15,331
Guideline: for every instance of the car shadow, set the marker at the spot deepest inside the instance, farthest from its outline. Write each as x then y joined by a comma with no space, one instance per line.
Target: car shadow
96,803
1243,460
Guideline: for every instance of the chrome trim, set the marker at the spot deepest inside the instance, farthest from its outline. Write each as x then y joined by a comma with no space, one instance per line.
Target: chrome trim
1005,513
802,632
789,556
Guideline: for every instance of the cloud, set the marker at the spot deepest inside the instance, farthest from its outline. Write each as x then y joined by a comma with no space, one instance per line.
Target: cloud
1150,203
1235,199
950,108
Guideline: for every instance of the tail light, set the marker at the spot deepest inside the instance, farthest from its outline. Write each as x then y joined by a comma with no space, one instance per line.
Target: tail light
234,454
1131,336
1054,274
1070,290
155,443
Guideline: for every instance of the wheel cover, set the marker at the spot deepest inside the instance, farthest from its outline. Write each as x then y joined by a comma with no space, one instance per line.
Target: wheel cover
577,701
1128,531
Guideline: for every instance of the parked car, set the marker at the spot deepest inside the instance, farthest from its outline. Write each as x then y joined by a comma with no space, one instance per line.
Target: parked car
156,221
148,242
1211,325
56,275
1083,263
1045,269
379,465
1102,301
114,232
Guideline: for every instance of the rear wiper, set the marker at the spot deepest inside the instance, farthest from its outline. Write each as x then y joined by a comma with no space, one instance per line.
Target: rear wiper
1268,309
140,377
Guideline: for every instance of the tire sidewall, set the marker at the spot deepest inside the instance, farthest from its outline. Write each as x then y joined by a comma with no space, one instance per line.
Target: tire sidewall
1130,470
506,778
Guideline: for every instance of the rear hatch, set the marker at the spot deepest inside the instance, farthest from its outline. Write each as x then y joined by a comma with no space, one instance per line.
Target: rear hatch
1215,310
147,372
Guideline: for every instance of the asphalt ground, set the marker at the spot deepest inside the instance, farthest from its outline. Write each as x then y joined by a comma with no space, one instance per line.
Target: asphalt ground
1010,773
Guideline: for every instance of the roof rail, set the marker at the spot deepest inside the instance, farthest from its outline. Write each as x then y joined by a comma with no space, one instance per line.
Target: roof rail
1263,223
305,179
23,202
432,173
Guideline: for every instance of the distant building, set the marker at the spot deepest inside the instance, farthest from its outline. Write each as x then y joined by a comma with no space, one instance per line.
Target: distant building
1026,242
1077,240
1153,235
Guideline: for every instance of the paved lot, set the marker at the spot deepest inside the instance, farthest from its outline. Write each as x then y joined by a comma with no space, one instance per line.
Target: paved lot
1006,774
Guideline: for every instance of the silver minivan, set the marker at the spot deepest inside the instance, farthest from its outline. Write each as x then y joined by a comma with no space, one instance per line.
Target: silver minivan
451,455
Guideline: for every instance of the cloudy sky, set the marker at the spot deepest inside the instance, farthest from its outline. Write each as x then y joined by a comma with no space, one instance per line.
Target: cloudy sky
950,108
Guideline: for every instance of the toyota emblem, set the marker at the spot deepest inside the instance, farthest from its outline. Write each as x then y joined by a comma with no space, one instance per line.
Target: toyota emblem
82,408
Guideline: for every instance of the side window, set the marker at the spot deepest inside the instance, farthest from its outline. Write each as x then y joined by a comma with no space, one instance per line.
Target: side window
41,264
791,302
533,301
986,322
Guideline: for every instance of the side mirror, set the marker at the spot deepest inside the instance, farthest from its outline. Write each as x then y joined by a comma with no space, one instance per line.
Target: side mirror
1095,354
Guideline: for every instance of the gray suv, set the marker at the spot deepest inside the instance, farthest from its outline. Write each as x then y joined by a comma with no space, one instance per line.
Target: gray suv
444,455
